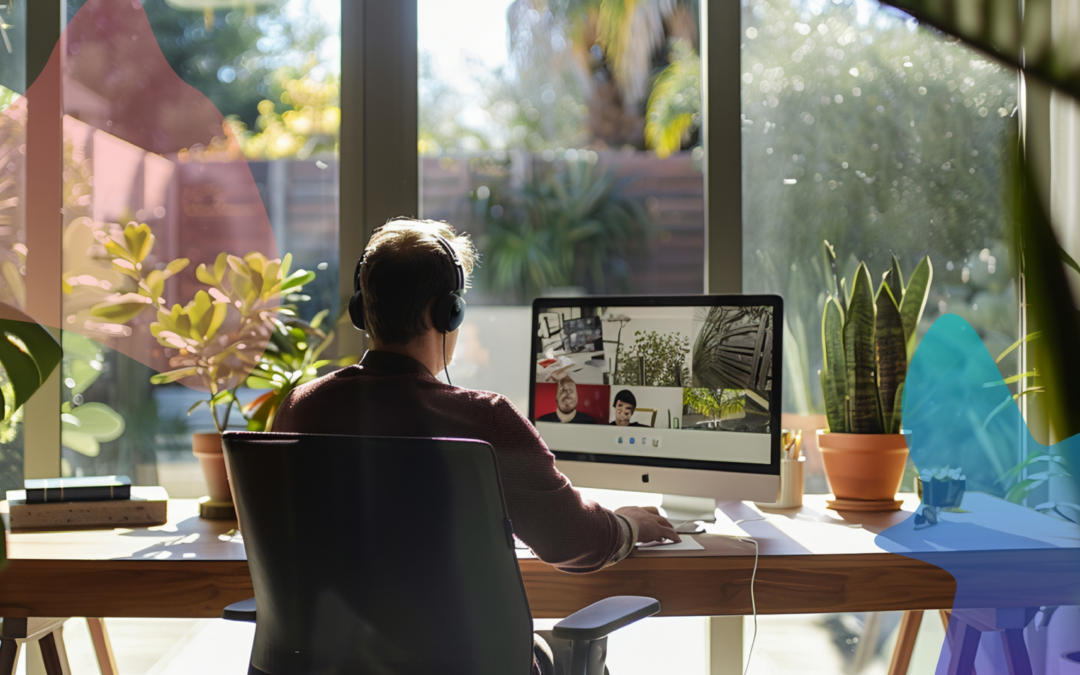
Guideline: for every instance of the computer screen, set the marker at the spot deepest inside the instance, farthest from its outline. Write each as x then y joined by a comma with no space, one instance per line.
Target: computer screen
687,382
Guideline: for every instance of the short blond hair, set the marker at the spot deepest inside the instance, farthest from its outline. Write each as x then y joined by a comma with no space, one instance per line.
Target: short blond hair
405,270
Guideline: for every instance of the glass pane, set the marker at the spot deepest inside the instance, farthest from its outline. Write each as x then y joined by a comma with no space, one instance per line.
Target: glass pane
884,138
565,140
12,198
258,172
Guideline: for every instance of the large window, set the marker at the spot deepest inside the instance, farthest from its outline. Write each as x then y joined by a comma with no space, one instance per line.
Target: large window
572,158
267,79
884,138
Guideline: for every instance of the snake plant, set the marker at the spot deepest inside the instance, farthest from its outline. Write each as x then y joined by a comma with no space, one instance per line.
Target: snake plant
868,339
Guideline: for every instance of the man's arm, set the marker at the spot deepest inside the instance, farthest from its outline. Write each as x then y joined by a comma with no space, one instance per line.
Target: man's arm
549,515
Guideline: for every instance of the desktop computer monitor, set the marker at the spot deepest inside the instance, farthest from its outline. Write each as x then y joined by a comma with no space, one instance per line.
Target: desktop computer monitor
678,395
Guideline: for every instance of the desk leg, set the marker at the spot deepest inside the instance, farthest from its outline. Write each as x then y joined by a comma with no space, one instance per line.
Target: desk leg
9,656
905,642
725,645
102,646
53,653
1016,653
964,643
945,616
864,651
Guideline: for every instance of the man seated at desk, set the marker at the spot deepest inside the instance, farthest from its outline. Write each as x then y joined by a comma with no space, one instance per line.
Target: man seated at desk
407,271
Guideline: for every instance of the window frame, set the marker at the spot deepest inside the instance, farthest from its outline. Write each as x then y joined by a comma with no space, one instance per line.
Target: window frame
45,22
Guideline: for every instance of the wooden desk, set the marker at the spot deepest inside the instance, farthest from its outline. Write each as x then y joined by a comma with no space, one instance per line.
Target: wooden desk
812,560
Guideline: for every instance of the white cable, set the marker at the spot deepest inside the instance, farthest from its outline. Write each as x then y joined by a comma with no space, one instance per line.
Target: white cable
753,602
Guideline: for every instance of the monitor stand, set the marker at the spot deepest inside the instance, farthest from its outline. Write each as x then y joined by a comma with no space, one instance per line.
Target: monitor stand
680,508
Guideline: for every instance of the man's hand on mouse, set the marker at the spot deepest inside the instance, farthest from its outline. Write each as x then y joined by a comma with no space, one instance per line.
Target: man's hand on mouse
651,526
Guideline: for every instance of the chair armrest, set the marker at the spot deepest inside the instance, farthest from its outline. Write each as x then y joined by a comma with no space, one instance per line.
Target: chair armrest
602,618
240,611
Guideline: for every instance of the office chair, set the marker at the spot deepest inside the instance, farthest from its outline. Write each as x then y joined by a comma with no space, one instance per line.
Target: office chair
389,555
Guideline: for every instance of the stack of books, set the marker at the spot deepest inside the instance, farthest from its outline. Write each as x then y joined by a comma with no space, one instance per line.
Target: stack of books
84,502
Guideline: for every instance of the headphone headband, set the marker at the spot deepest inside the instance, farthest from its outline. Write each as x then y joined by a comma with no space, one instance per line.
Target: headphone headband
459,268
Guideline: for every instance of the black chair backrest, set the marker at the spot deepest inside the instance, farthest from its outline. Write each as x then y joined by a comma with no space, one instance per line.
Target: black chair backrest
378,555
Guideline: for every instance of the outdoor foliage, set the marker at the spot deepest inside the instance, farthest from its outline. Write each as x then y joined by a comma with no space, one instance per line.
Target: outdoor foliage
1023,35
714,403
675,102
571,225
309,124
233,61
580,74
863,128
663,357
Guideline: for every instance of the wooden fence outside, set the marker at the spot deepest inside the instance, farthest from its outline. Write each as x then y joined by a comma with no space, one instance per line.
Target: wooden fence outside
301,200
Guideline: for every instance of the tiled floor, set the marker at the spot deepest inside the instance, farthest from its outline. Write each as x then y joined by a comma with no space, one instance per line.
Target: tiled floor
785,644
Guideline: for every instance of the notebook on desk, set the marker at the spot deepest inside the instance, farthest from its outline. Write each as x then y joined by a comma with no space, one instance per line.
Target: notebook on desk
74,489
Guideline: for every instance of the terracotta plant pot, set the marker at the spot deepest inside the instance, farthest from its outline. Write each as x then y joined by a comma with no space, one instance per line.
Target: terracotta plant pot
207,447
863,466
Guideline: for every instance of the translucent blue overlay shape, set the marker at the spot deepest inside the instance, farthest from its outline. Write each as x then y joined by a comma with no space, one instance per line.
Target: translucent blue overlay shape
1008,560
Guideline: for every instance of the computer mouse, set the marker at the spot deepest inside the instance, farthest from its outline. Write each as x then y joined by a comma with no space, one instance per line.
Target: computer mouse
689,527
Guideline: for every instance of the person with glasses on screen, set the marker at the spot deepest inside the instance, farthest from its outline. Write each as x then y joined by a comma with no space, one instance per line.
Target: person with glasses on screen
405,277
566,401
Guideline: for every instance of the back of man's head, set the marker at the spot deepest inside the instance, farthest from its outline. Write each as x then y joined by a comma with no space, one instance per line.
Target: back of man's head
405,270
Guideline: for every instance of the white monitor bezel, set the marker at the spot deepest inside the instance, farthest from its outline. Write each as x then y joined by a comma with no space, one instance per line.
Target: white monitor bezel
676,476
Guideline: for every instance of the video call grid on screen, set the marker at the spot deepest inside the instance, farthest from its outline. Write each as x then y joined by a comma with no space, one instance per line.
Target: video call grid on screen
681,382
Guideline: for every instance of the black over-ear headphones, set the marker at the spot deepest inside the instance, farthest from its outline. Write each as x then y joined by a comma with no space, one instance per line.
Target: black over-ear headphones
448,311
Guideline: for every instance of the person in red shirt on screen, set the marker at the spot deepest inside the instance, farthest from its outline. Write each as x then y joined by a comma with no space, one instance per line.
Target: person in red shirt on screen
566,399
393,391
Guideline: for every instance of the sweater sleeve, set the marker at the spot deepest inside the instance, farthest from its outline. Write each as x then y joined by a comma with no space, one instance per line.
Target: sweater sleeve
561,527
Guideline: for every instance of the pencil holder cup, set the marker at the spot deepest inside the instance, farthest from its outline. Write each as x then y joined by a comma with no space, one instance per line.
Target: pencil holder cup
791,484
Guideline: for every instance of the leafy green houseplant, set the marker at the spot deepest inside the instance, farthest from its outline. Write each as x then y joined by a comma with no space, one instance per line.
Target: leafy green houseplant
292,358
28,355
216,339
868,339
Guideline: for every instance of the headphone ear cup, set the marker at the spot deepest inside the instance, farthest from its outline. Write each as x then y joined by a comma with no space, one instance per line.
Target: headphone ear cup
448,313
356,310
457,313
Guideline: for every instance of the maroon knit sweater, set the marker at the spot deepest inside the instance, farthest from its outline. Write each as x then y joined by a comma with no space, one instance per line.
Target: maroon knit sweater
393,395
